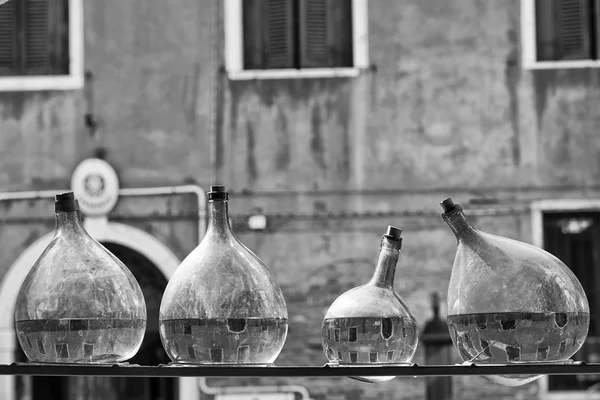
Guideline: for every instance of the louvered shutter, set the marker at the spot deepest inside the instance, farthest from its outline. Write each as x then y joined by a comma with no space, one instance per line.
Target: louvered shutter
254,34
58,36
8,38
268,28
314,42
546,32
280,34
596,19
574,36
36,37
325,33
339,29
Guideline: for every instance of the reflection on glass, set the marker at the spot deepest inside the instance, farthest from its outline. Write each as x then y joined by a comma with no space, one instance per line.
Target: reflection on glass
222,304
371,324
510,302
79,303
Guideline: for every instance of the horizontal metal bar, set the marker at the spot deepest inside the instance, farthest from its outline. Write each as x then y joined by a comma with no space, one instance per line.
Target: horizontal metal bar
413,370
477,190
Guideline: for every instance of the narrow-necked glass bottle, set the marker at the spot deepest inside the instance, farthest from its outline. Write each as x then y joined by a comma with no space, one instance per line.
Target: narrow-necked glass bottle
511,302
371,324
222,305
79,303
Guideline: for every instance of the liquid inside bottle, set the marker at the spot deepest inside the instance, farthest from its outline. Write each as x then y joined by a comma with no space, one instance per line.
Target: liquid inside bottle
369,340
80,340
498,338
224,340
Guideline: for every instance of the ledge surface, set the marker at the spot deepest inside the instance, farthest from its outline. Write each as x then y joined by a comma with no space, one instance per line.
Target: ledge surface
413,370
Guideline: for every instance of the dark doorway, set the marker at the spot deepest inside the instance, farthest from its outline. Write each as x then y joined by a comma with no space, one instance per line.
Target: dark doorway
153,284
574,238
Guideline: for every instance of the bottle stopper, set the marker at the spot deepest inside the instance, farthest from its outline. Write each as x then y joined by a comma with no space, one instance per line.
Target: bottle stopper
217,192
447,205
66,202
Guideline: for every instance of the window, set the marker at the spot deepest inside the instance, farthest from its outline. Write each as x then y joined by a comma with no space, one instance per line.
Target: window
40,45
561,33
570,229
295,38
574,237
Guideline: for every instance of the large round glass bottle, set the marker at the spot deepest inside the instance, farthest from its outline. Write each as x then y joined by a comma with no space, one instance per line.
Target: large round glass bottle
222,305
511,302
371,324
79,303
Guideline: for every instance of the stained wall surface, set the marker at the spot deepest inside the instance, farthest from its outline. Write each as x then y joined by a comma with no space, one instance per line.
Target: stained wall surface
446,109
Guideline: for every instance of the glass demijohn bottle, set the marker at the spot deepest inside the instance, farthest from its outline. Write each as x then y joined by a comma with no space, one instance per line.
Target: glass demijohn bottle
222,305
371,324
511,302
79,303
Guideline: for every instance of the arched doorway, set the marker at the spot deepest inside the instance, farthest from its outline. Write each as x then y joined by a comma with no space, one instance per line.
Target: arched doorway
153,285
152,263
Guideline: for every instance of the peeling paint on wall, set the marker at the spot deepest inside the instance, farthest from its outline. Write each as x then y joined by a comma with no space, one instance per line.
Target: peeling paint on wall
282,160
513,76
250,158
544,82
317,145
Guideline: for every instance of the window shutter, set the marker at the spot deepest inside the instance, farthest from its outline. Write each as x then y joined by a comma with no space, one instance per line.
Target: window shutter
313,34
8,38
546,32
37,41
341,40
254,34
280,34
596,23
326,33
574,35
268,34
58,34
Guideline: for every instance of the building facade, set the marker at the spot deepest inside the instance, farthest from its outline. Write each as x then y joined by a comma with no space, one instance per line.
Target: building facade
327,121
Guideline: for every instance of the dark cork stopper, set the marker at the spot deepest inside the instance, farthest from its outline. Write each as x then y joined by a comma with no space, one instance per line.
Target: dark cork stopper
393,232
447,205
217,192
393,236
66,202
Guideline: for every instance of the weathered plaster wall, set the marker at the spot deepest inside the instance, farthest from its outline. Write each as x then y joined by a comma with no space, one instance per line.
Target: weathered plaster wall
445,110
148,91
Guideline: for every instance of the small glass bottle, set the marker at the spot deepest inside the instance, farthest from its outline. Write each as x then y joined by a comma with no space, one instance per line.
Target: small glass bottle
222,305
79,303
371,324
511,302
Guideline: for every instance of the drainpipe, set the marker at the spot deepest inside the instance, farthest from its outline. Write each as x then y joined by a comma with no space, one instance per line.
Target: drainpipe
214,391
214,89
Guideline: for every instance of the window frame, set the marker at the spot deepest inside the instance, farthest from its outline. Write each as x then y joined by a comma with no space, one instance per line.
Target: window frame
234,48
74,80
537,210
529,41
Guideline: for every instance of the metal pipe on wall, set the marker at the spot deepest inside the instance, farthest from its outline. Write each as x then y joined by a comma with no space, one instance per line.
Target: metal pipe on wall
214,89
215,391
152,191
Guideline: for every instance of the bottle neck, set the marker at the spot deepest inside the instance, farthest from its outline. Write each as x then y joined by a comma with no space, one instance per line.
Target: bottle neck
386,264
477,241
218,215
68,221
460,225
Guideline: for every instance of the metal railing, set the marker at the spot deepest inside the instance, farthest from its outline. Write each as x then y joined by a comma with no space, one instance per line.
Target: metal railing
412,370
